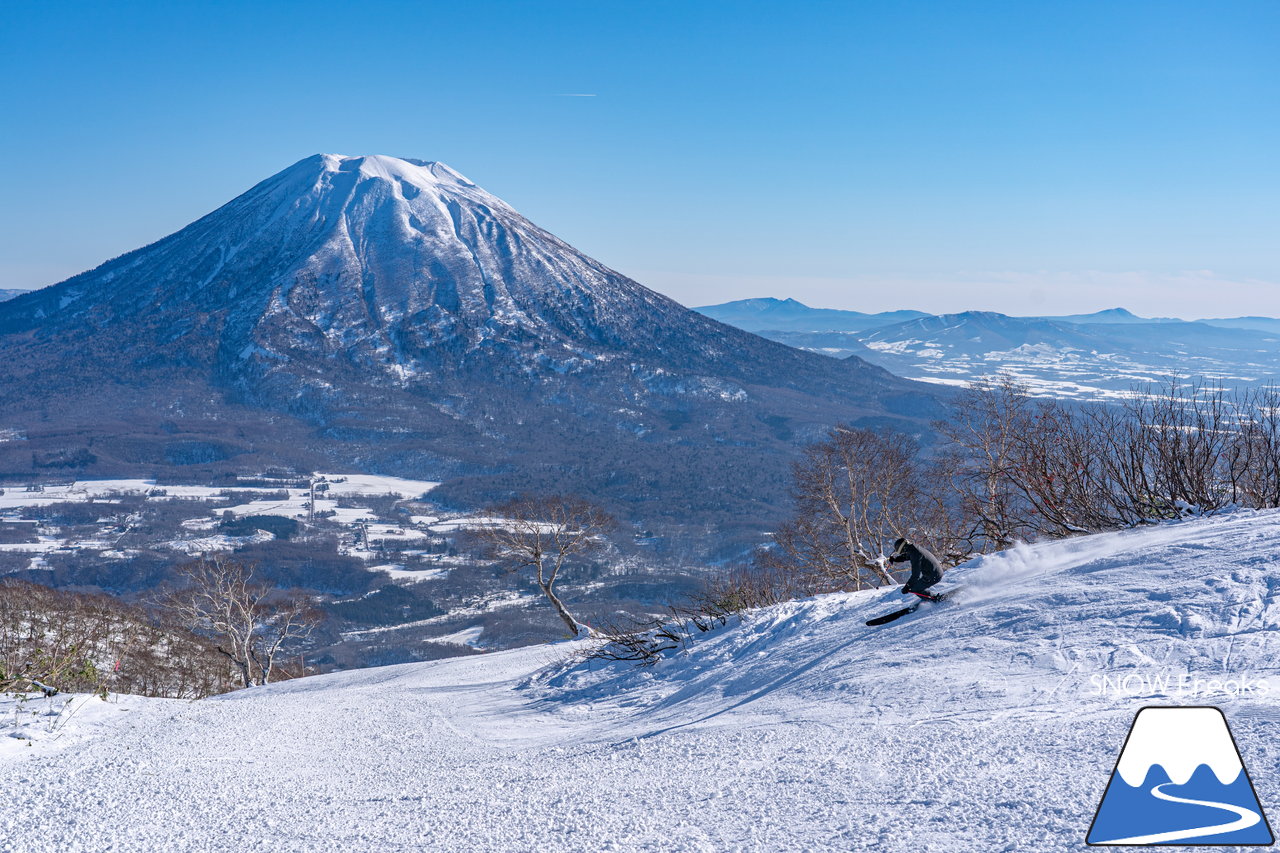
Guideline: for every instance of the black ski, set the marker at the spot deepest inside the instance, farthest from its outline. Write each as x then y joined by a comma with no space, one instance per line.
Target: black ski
898,614
889,617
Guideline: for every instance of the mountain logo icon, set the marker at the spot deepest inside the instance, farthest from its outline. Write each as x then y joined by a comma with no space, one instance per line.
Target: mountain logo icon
1180,780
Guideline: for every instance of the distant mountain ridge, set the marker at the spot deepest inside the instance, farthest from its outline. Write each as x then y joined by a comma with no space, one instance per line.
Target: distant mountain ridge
770,313
788,314
1090,356
390,315
10,294
1108,317
1261,324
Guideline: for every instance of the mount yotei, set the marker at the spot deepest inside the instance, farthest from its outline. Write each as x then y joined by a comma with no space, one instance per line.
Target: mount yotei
390,316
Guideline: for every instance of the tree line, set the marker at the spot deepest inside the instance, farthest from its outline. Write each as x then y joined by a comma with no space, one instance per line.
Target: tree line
59,641
1015,468
215,628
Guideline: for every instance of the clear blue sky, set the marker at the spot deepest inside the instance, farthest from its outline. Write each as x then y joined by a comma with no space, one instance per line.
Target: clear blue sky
1016,156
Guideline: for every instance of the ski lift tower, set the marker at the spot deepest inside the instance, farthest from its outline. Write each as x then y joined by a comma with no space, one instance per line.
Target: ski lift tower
318,484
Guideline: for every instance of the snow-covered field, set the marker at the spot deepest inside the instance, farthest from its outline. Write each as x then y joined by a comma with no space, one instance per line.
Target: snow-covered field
340,499
339,485
990,723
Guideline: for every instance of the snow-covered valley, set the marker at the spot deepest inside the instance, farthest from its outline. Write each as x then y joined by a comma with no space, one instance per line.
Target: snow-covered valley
991,722
393,568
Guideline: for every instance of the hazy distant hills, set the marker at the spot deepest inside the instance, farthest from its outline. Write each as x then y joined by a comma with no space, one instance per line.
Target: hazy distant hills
388,315
10,294
1266,324
1109,317
1082,356
789,315
1119,316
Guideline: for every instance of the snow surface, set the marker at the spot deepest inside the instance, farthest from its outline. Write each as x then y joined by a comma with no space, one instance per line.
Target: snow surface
375,485
340,485
296,503
991,722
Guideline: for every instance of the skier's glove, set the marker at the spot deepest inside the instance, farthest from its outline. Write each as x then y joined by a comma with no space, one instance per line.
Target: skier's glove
904,590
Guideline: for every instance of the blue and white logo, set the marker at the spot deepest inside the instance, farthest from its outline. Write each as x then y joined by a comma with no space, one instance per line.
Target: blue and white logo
1180,780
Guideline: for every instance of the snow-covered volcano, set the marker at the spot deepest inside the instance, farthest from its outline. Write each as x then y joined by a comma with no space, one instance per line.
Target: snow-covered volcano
990,723
377,260
410,322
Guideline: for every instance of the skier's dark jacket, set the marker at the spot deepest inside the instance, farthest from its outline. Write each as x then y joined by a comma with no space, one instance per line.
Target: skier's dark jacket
925,568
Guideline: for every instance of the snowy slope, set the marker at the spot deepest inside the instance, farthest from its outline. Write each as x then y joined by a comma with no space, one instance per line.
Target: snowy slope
986,724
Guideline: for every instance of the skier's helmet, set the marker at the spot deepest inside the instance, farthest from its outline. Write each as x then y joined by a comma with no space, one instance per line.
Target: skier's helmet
898,543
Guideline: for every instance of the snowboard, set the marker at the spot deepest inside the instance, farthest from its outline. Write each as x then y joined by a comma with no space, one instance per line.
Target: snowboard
898,614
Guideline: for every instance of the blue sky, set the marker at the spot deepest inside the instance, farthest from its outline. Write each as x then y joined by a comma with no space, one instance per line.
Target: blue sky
1015,156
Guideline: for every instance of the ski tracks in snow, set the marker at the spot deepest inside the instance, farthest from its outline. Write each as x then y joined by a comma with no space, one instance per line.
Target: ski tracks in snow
967,727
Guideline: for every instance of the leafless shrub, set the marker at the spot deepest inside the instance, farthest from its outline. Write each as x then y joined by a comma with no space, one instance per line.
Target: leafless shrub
1191,433
767,580
1026,468
980,468
641,642
645,641
1256,465
55,640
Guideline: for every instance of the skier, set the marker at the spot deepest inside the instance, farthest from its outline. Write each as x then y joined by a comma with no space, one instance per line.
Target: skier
925,568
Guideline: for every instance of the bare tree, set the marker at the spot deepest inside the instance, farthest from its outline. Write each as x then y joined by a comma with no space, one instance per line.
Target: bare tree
855,492
542,533
981,465
1192,432
1257,460
250,622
